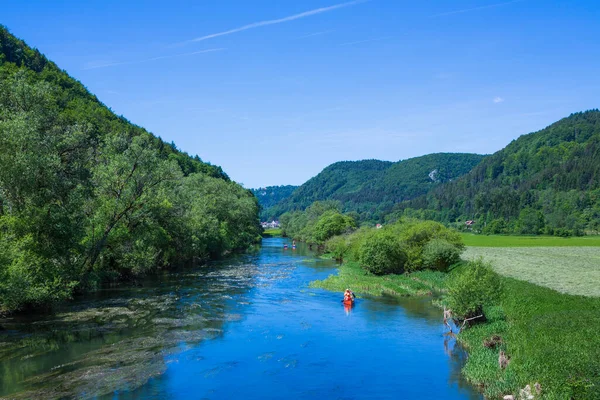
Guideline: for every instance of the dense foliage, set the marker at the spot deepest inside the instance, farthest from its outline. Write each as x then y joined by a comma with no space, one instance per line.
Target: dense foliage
545,182
472,287
372,187
405,246
269,196
320,221
381,253
86,196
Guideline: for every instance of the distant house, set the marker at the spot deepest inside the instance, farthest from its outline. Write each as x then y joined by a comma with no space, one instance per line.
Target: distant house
270,225
378,226
469,223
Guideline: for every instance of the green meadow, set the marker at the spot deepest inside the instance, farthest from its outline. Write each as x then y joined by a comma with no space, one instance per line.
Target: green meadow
572,270
529,241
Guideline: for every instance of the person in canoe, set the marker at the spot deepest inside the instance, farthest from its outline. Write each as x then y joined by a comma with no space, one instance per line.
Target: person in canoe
349,296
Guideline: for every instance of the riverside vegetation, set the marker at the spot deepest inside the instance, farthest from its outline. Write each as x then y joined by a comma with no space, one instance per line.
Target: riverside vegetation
87,197
546,337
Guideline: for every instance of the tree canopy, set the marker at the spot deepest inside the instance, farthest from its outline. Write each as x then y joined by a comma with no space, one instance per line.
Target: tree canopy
86,196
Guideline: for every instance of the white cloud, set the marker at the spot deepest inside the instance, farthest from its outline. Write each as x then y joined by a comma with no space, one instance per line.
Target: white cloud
498,100
276,21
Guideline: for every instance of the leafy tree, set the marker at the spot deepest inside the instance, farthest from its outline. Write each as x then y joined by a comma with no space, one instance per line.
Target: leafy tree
471,288
382,253
440,254
330,224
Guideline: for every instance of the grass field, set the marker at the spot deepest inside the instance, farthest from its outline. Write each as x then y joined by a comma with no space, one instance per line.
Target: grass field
529,241
572,270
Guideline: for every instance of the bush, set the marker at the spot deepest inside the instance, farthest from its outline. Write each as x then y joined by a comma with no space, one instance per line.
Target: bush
330,224
337,246
440,254
382,253
472,287
416,236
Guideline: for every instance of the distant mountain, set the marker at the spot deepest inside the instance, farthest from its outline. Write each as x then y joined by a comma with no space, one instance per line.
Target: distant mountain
271,195
372,187
543,182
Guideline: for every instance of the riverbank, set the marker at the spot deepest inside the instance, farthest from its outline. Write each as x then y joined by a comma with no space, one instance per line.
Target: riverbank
550,337
351,275
273,232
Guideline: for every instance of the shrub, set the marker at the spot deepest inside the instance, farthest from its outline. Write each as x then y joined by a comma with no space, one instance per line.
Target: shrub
440,254
329,224
338,247
416,235
382,253
355,241
472,287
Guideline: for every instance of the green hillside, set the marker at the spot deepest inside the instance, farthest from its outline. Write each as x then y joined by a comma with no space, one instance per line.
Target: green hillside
271,195
543,182
372,187
86,196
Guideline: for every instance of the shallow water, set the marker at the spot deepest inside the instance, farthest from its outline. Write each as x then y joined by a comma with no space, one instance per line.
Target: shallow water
247,326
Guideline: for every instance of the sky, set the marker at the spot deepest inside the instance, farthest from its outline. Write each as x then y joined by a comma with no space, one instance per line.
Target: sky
274,91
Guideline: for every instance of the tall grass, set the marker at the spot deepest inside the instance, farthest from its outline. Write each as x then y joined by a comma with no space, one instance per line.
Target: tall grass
351,275
551,338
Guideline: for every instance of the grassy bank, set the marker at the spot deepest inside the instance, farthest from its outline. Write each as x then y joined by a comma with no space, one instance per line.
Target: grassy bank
274,232
551,338
528,241
351,275
572,270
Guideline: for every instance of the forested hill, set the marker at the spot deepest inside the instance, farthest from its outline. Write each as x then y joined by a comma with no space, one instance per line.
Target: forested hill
271,195
86,196
372,187
543,182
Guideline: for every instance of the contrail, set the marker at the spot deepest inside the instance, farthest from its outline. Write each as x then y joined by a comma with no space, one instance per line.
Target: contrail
277,21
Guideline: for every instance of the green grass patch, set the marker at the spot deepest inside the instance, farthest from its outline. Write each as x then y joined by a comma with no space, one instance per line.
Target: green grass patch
528,241
351,275
273,232
574,270
551,338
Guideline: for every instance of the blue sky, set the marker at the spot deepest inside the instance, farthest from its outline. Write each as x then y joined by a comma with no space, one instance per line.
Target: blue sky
274,91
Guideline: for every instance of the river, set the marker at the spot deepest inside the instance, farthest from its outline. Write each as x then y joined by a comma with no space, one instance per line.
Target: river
248,326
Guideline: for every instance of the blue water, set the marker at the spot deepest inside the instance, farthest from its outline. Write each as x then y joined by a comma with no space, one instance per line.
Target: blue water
261,333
